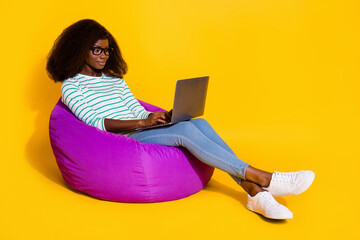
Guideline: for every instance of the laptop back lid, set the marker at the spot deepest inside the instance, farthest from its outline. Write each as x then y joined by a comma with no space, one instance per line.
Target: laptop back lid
189,101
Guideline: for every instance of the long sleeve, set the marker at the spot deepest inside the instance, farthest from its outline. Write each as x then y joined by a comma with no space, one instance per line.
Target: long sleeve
74,99
132,103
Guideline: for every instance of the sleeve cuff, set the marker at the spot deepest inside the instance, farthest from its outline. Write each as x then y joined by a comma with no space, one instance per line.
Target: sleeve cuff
101,124
146,114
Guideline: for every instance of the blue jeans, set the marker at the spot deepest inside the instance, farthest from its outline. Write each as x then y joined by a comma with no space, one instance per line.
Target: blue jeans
201,140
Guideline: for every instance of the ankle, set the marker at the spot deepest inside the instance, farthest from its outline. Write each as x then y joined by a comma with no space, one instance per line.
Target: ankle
258,176
266,179
254,191
251,188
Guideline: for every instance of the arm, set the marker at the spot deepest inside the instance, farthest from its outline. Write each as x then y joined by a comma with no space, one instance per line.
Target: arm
73,98
113,125
132,103
145,118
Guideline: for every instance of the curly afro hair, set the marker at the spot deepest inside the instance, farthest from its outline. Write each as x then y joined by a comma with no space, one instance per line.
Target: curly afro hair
70,49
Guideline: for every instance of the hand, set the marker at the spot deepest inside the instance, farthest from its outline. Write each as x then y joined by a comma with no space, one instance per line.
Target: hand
155,118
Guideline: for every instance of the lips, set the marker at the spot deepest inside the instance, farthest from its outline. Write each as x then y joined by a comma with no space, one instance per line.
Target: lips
101,63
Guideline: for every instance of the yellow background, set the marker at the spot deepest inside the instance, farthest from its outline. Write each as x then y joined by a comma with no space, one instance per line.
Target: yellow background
284,93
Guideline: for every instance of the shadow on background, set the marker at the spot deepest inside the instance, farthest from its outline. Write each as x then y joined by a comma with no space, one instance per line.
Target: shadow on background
41,96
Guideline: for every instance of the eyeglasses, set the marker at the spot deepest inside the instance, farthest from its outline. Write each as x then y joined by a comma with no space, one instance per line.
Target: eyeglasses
98,50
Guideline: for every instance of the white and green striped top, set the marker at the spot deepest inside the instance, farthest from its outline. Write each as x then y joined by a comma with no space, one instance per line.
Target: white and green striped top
92,99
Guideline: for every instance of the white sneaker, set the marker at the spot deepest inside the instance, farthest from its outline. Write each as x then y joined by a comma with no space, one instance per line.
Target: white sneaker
265,204
290,183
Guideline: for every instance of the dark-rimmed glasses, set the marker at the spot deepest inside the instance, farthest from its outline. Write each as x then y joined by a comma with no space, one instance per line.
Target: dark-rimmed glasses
98,50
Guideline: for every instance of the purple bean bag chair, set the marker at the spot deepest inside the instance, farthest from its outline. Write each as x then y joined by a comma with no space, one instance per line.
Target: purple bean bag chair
117,168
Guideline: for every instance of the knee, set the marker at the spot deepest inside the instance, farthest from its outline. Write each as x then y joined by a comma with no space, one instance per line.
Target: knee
192,126
199,121
186,127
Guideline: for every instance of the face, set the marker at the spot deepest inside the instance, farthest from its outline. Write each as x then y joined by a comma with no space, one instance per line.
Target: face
97,62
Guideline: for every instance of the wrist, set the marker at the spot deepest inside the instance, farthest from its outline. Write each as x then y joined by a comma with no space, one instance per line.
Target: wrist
142,123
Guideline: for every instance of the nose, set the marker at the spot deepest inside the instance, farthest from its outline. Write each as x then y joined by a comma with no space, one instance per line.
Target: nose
103,56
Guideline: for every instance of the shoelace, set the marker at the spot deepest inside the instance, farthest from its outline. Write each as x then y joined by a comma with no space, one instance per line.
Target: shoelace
270,200
285,177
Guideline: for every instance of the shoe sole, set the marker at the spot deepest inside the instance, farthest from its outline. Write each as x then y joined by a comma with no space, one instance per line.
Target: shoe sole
277,217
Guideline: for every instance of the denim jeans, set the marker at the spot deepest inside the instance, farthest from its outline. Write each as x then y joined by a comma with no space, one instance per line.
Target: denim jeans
201,140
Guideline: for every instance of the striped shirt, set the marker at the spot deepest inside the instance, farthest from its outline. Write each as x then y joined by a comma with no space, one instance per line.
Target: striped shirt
92,99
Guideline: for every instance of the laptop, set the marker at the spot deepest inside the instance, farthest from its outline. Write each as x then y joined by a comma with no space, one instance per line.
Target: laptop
189,101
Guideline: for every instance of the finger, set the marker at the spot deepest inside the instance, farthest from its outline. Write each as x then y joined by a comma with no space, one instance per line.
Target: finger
161,121
159,114
162,115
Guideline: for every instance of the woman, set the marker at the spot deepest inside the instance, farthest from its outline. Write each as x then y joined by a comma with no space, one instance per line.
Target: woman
88,62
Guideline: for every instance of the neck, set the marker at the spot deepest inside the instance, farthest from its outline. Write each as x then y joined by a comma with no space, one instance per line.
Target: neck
88,70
